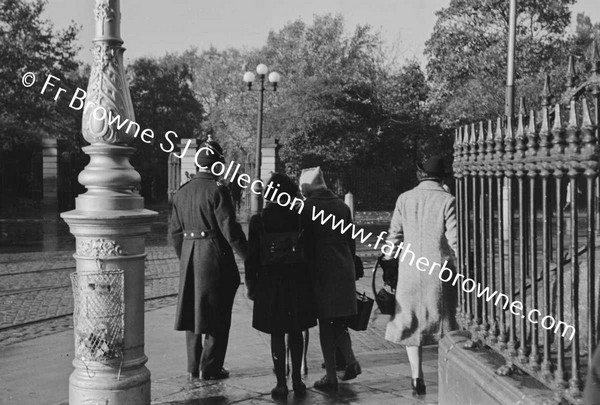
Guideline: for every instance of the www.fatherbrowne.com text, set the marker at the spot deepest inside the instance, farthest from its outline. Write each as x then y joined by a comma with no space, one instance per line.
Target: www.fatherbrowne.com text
389,249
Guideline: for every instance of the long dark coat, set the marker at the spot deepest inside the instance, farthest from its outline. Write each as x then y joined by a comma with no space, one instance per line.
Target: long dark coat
424,217
209,276
283,300
331,256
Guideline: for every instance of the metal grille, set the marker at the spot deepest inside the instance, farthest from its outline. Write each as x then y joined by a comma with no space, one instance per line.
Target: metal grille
98,315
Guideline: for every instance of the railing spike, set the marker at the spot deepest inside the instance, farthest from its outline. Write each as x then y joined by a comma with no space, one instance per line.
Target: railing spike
473,134
545,127
520,124
521,106
499,134
509,128
531,126
557,118
532,137
587,117
481,132
572,113
466,137
546,96
490,131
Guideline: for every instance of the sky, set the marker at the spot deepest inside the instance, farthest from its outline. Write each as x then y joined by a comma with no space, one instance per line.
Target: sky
152,27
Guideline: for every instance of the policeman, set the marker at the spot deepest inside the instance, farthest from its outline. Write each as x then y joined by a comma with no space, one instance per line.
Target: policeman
204,230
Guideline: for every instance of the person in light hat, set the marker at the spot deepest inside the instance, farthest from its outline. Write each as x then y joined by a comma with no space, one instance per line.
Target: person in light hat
204,230
424,220
331,263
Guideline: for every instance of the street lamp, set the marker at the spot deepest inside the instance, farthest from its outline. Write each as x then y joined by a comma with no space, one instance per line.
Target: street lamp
249,77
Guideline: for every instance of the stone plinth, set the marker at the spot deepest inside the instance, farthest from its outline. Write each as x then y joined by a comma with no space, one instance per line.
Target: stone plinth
50,174
467,376
270,158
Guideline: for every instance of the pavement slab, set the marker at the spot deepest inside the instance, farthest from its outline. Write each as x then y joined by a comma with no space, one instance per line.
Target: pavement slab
36,371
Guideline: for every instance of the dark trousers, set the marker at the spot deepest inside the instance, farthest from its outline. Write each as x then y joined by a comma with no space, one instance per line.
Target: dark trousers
210,357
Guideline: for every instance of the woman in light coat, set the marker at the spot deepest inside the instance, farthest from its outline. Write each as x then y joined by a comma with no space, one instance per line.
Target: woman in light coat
331,260
424,220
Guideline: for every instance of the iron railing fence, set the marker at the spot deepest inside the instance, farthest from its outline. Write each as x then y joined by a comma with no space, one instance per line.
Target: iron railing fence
527,204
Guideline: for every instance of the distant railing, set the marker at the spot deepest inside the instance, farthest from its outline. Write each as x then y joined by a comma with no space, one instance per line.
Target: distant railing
527,201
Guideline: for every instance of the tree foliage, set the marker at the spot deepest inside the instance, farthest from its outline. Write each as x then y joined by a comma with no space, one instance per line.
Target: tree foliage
30,44
338,103
467,53
163,100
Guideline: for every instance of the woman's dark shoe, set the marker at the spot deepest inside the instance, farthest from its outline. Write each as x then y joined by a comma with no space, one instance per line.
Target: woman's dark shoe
325,384
219,375
352,371
418,386
280,391
299,388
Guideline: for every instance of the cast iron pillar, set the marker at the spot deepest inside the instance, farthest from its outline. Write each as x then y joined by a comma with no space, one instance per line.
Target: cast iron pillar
109,224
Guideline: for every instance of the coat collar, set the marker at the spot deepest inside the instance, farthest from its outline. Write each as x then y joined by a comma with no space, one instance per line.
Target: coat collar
322,194
204,175
430,185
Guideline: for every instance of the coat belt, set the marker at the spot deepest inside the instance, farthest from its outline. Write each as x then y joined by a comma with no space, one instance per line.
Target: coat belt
197,234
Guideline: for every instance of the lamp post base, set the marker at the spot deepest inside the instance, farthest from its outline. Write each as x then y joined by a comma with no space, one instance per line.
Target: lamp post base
100,385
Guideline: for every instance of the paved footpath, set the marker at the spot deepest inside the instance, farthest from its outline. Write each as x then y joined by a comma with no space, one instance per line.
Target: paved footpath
36,371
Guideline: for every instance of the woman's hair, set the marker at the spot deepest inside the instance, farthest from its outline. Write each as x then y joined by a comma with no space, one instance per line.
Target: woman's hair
283,184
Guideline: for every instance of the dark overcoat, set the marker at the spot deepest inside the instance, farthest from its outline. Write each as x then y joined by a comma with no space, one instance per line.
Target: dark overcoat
331,256
204,230
283,296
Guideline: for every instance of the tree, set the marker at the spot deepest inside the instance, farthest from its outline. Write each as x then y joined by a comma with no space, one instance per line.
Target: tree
229,111
163,100
467,53
327,111
30,44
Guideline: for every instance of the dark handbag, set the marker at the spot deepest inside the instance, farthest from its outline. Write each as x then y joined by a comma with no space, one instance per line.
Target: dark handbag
364,305
359,269
386,297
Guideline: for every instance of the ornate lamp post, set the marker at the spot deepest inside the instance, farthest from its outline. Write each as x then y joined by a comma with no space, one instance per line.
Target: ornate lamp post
109,224
249,77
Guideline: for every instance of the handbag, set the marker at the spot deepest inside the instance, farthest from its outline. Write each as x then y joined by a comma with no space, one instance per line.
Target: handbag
364,305
385,297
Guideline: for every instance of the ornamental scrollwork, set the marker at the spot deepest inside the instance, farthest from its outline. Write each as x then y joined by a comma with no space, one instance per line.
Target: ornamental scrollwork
110,111
99,247
103,11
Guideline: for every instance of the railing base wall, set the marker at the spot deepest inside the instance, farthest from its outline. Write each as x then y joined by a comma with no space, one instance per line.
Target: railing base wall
468,376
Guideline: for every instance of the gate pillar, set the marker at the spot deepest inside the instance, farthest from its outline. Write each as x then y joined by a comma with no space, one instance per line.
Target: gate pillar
187,164
50,175
109,224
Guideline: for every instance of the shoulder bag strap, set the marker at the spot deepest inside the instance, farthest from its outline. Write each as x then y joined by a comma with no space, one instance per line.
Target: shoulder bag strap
374,276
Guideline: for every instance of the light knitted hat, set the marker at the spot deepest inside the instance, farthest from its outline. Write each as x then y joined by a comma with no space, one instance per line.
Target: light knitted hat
312,179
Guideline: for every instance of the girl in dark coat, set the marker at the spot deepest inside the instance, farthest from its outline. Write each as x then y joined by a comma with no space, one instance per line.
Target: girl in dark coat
282,294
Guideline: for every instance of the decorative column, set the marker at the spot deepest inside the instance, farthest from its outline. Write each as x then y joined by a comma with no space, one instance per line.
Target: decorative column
109,224
188,165
50,174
